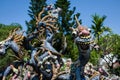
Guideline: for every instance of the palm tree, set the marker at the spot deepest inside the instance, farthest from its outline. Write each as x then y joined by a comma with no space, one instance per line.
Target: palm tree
97,27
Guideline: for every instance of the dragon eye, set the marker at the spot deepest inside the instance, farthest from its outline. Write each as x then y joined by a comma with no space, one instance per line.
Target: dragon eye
89,29
6,44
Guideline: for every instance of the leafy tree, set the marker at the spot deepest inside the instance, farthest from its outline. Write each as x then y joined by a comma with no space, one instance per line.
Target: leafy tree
110,43
94,57
72,50
65,21
98,27
35,7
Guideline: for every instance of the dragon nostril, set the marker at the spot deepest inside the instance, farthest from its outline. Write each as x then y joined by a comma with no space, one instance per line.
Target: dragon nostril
85,32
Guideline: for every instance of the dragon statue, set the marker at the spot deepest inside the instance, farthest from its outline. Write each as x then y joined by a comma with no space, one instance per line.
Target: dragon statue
84,41
44,60
16,41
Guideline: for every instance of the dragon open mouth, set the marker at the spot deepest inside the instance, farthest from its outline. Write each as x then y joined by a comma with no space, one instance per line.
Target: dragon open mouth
84,41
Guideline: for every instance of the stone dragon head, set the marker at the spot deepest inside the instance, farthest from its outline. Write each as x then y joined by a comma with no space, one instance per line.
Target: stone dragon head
14,39
82,35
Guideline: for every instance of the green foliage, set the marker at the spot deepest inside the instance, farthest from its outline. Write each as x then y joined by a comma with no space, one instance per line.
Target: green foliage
6,60
72,50
94,57
110,42
5,29
97,27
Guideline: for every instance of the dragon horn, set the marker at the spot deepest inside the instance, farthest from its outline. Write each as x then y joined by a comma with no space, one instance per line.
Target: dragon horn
78,23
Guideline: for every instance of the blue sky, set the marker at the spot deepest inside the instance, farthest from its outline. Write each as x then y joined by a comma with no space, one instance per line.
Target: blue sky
15,11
